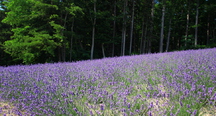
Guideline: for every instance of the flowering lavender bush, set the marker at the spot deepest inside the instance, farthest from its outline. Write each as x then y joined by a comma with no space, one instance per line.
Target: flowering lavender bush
174,83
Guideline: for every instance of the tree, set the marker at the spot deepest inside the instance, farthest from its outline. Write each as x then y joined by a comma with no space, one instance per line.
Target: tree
168,36
124,28
196,24
145,12
209,6
93,30
132,26
28,40
162,28
70,10
38,29
5,34
187,24
114,28
151,26
170,9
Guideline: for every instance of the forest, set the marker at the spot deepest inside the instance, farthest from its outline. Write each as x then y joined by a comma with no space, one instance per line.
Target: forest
44,31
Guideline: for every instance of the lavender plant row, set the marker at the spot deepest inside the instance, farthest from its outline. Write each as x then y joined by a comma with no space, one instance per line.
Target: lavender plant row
174,83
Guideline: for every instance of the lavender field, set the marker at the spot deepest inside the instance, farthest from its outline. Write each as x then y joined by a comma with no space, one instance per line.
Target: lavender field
174,83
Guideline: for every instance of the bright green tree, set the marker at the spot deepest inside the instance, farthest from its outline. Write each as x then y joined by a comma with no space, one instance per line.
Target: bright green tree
36,29
30,39
5,34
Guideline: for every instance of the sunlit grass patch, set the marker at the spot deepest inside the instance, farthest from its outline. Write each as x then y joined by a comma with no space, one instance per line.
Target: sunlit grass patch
8,109
208,111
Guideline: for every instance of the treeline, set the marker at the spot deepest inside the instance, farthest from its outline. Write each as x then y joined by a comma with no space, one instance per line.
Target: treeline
38,31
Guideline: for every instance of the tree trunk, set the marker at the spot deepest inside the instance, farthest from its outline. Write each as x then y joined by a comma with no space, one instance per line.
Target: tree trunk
187,25
196,28
213,34
61,47
64,45
169,33
145,38
63,52
71,40
102,46
208,31
93,30
59,54
132,25
81,44
162,29
152,25
142,35
114,30
124,29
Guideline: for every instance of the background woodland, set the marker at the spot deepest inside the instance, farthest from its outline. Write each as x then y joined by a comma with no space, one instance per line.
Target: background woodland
39,31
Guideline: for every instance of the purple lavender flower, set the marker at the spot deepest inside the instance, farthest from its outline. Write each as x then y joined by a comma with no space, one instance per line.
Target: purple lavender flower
111,97
75,109
129,105
98,112
186,92
151,105
123,110
101,107
18,113
189,111
125,114
149,113
177,112
181,104
188,105
210,90
91,113
131,114
137,110
1,110
194,113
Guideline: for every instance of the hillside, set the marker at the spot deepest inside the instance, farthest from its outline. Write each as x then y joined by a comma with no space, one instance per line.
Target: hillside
173,83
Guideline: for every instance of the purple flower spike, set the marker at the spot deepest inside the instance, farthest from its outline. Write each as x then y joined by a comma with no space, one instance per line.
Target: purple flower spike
99,113
194,113
137,110
91,113
171,114
149,113
75,109
123,110
189,111
151,105
181,104
210,90
102,107
188,105
129,105
19,113
125,114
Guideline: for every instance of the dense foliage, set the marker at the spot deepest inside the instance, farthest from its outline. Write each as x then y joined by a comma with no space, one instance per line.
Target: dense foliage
39,31
173,83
